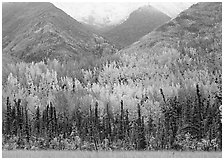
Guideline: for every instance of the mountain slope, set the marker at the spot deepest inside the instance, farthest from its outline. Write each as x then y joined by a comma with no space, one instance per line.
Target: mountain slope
139,23
38,31
197,27
181,53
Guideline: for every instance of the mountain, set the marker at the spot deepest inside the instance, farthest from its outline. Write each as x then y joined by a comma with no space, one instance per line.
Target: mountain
197,27
38,31
186,50
139,23
182,53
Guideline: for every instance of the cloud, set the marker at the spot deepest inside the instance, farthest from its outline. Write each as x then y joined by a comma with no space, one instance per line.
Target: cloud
110,13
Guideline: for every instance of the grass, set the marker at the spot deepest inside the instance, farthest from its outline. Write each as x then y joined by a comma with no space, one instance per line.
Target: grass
109,154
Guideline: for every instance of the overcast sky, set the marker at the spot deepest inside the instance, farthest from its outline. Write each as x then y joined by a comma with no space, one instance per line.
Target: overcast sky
113,13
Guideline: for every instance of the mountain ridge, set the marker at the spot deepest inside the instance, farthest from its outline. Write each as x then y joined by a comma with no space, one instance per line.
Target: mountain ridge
187,25
39,30
140,22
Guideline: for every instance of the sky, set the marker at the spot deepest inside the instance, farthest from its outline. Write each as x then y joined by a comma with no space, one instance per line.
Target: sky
110,13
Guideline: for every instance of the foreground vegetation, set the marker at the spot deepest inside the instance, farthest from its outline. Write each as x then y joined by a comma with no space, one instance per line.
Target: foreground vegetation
126,102
117,154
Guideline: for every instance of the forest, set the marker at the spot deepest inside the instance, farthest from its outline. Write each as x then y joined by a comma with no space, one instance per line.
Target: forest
66,88
166,98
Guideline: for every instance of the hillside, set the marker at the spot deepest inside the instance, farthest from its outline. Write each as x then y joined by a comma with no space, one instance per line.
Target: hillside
189,46
139,23
40,31
201,23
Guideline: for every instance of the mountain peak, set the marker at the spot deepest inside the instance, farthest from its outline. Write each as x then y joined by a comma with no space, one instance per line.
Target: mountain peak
38,31
194,25
140,22
146,8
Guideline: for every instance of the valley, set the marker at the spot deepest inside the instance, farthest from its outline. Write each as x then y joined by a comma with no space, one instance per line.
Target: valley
150,83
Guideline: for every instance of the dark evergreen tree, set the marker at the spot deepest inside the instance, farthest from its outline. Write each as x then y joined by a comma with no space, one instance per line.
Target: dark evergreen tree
27,126
43,122
14,122
8,117
161,91
51,121
127,128
19,116
55,121
46,120
121,135
37,120
141,143
197,117
108,122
